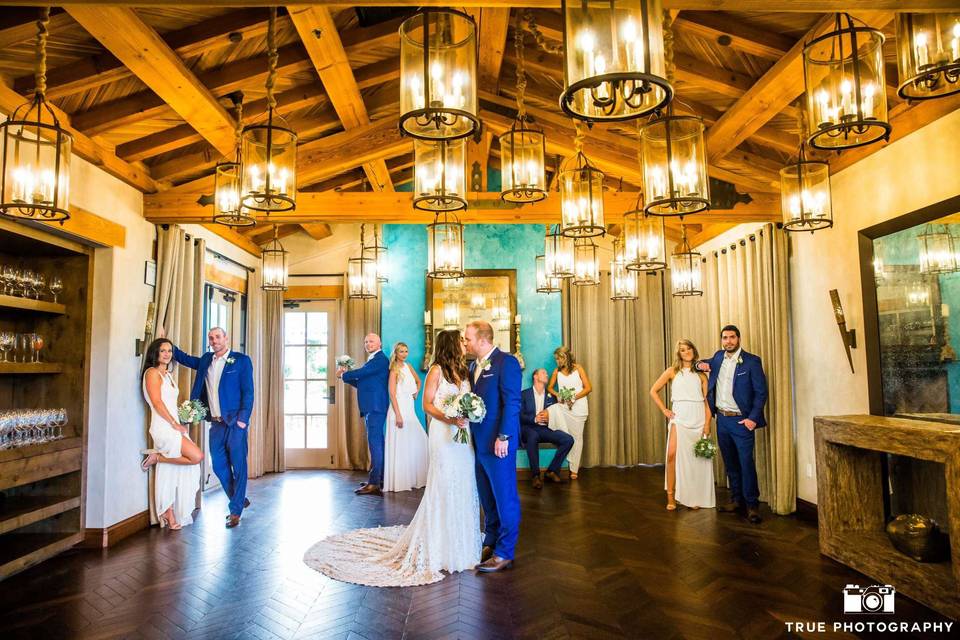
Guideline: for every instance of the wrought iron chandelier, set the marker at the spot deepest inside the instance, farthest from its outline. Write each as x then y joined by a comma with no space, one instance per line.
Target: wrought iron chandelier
928,54
586,263
546,283
377,251
228,177
445,247
362,273
558,253
581,194
674,159
623,280
273,263
686,269
439,180
805,194
938,250
644,248
36,152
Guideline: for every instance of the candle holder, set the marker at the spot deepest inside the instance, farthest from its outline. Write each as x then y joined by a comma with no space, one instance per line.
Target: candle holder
427,347
517,354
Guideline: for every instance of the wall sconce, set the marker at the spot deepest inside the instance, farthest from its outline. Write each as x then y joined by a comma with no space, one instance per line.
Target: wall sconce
141,345
517,354
849,336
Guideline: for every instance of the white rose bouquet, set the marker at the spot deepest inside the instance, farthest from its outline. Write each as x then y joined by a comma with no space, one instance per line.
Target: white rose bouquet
705,448
345,362
566,395
191,411
467,405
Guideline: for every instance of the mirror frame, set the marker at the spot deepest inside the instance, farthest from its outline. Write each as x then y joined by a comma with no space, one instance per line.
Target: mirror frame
510,274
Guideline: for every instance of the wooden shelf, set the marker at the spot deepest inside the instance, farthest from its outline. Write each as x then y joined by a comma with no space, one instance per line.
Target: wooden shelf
27,304
19,551
20,511
73,442
28,368
41,466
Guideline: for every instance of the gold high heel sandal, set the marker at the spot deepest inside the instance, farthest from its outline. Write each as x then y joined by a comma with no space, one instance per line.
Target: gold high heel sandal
671,502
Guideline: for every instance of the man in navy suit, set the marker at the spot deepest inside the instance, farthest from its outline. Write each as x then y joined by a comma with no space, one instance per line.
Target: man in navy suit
534,430
737,393
370,381
495,376
224,384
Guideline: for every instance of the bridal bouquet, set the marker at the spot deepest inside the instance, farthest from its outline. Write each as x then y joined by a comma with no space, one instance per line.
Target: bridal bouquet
465,405
566,395
191,411
345,362
704,448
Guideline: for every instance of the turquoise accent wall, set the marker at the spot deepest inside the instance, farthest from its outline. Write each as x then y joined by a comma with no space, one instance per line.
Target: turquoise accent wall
488,246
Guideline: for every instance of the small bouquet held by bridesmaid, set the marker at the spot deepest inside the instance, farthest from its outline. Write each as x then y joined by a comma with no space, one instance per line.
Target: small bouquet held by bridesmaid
567,396
191,412
704,448
465,405
345,362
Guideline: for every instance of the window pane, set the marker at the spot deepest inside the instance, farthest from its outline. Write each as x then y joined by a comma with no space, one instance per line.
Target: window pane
317,396
316,362
316,328
293,364
294,327
293,397
293,437
316,432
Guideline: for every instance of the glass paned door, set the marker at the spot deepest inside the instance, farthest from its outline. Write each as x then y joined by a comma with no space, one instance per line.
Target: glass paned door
309,415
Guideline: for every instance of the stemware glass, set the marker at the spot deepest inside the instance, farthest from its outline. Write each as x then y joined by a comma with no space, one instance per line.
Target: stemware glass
6,425
39,283
6,344
37,343
61,422
55,286
8,275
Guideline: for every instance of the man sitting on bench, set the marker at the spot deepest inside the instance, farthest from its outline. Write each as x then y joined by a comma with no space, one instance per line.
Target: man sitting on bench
534,430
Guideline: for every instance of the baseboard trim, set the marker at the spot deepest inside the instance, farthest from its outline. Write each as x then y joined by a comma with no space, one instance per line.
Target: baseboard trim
807,511
103,538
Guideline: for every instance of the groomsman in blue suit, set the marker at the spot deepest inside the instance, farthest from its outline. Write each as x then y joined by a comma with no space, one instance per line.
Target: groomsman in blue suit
495,376
737,393
370,380
224,384
533,430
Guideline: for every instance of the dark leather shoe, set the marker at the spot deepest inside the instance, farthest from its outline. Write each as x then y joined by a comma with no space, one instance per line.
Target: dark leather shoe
233,521
555,477
495,564
246,503
730,507
486,554
753,515
537,482
369,490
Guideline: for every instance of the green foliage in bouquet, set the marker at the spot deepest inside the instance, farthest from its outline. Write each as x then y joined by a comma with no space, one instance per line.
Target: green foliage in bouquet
704,448
191,411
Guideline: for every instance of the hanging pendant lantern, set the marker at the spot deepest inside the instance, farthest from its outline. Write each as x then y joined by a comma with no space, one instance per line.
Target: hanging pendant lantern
545,283
558,253
273,261
36,152
674,159
846,87
228,178
614,65
581,194
586,263
438,75
438,173
445,247
623,281
523,147
377,251
362,273
805,194
686,269
938,251
644,248
269,149
451,314
928,54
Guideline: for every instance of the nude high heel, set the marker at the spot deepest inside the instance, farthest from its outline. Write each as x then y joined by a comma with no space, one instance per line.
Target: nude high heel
671,503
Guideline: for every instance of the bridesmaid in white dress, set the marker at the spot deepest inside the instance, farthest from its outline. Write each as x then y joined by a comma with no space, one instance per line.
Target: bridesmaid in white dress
405,460
175,455
444,536
689,479
569,417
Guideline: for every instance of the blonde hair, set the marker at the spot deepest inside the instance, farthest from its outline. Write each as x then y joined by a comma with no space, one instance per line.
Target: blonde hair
396,365
678,361
569,362
484,330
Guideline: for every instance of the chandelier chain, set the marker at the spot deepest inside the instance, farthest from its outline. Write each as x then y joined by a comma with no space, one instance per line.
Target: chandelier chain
272,58
538,36
669,64
579,137
42,33
238,130
521,72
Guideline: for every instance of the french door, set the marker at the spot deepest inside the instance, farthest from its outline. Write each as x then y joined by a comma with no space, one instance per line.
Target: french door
309,389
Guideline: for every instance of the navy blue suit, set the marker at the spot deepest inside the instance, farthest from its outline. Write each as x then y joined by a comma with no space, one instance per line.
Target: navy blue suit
499,386
228,441
370,380
532,433
735,440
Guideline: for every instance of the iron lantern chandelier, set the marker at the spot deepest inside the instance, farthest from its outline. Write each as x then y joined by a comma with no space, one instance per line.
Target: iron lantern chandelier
686,269
362,273
928,54
273,263
377,251
546,283
644,248
586,263
445,247
674,160
938,250
805,194
439,180
522,147
581,194
228,178
623,280
558,253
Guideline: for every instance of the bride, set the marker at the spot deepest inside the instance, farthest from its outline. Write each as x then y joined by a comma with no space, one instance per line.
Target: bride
444,535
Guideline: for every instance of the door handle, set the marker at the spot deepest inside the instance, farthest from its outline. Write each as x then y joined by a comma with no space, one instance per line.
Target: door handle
332,396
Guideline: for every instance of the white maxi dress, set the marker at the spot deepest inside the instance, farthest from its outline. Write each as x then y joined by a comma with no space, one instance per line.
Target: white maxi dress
570,420
694,476
406,454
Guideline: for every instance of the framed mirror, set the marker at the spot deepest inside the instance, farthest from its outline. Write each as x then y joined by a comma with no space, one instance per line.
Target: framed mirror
482,294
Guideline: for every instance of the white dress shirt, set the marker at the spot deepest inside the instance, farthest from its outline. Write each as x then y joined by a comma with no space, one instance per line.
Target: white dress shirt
477,371
725,399
539,398
213,383
370,356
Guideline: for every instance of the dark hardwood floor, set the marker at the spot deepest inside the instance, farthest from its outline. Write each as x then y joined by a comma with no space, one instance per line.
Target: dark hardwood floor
599,558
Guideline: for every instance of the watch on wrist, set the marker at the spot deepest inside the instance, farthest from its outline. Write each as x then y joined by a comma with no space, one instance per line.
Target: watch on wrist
503,437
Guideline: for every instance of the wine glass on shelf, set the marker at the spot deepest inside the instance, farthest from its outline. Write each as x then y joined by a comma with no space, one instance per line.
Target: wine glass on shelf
56,286
8,275
61,422
6,428
39,282
36,342
7,339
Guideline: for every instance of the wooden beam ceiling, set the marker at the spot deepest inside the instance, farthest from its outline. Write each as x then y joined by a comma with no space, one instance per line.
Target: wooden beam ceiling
492,24
22,27
232,236
743,37
801,6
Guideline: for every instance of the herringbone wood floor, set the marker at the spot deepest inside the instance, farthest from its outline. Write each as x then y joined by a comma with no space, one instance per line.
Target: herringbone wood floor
599,558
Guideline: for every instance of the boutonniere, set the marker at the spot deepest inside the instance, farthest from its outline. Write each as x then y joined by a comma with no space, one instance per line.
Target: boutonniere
231,360
483,364
739,361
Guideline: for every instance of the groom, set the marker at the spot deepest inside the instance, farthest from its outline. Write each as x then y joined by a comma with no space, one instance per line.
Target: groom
224,384
495,376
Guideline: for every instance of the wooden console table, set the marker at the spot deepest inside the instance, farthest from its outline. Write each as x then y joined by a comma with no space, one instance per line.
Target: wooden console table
850,501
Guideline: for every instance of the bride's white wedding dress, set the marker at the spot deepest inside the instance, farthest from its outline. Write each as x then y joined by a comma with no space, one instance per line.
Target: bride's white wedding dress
444,535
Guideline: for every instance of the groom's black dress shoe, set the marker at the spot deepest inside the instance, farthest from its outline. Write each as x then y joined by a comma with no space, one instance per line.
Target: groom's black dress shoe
753,515
494,564
554,477
369,490
730,507
486,554
537,482
246,503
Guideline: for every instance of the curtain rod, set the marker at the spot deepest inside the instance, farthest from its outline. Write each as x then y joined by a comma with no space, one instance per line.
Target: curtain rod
230,260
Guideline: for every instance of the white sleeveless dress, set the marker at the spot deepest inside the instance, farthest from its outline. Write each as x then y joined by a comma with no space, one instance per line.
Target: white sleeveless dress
443,537
405,457
570,420
174,484
695,485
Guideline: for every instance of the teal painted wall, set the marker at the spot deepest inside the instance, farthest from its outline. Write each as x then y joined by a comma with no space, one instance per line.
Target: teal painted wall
488,246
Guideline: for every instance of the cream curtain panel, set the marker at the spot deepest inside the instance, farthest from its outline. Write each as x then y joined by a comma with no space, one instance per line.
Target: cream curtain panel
255,339
620,344
747,284
178,302
271,398
360,317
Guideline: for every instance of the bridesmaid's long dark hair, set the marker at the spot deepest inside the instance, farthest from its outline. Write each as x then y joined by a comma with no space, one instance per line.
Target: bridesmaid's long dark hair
448,354
152,358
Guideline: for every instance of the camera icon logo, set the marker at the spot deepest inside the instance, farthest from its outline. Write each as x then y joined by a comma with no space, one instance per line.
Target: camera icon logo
876,598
